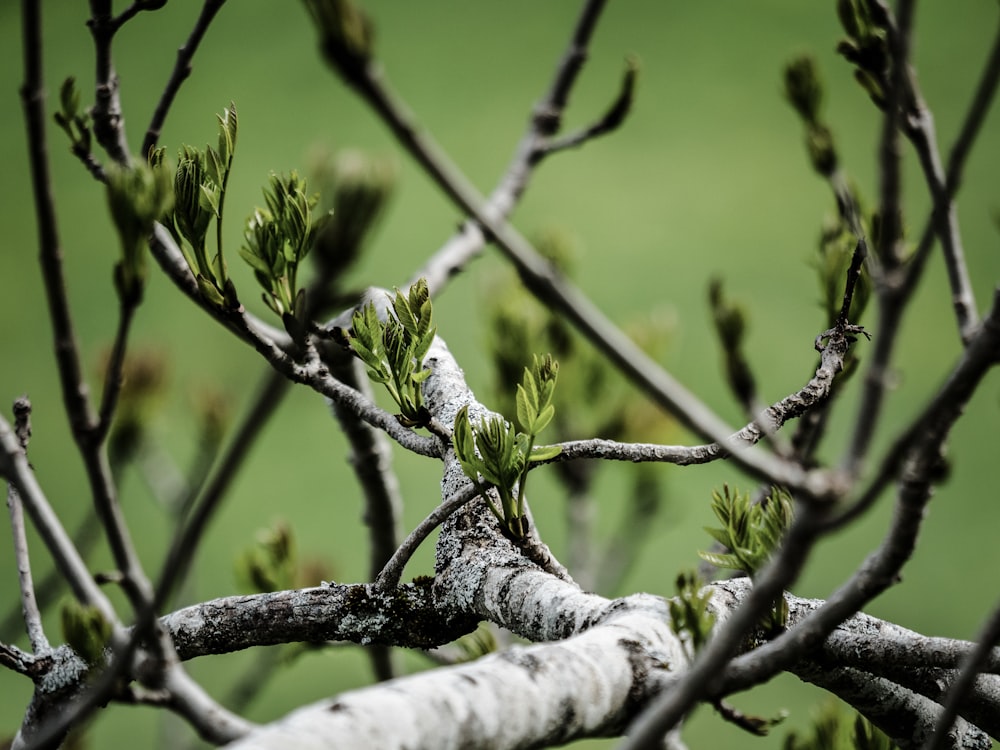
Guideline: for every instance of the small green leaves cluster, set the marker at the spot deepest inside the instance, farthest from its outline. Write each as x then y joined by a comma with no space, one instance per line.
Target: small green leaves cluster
828,726
730,324
494,453
804,91
346,35
85,630
200,186
138,197
356,188
271,562
866,45
276,240
477,644
750,531
393,350
73,121
690,617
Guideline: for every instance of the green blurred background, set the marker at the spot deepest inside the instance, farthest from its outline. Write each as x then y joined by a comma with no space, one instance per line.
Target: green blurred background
707,177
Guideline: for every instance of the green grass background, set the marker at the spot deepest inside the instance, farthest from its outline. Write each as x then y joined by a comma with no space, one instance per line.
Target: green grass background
708,176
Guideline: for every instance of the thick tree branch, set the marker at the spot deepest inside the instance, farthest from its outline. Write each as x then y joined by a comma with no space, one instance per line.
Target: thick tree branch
407,616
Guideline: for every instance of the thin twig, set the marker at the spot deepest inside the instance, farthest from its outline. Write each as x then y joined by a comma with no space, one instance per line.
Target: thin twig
899,291
29,605
607,123
898,43
113,377
814,393
664,712
74,389
546,120
185,543
182,69
971,126
371,460
53,582
109,123
889,236
919,128
981,654
389,577
14,466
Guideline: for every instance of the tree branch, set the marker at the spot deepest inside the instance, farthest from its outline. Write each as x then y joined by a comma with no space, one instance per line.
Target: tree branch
29,605
182,69
545,120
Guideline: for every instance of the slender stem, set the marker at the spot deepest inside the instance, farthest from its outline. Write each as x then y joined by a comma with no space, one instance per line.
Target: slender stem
889,235
389,577
187,539
900,286
14,466
971,665
29,604
664,712
109,124
546,120
113,378
182,69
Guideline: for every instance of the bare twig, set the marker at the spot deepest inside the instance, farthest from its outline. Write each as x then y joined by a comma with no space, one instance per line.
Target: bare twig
536,143
113,377
974,661
371,461
109,124
815,392
664,713
971,125
880,570
389,576
899,291
919,128
29,605
185,543
182,69
608,122
14,466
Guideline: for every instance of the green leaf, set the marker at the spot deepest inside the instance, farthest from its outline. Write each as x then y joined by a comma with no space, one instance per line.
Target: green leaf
209,291
255,261
543,419
728,562
86,631
526,413
544,453
228,128
69,98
